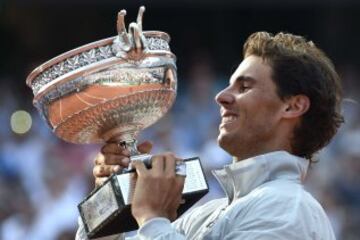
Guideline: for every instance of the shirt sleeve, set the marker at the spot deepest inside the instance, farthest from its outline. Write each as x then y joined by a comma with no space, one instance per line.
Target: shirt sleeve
81,234
159,229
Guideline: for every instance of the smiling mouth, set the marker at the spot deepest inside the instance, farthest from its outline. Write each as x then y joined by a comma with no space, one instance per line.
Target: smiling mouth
229,119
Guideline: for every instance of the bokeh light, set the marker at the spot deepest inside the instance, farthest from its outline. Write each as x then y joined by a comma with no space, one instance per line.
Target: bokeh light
20,122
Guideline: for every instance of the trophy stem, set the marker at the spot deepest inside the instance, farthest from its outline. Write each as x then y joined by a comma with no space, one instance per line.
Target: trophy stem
135,155
131,145
124,139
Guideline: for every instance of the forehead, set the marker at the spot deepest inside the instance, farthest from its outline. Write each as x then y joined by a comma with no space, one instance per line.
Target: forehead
253,67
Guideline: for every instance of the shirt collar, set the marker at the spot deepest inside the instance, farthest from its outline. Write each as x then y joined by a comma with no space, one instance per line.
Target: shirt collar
238,179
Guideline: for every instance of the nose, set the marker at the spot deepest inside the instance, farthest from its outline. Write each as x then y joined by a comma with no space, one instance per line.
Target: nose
224,97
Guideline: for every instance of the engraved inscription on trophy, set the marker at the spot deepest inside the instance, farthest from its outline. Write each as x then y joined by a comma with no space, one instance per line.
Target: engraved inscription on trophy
108,91
100,206
197,181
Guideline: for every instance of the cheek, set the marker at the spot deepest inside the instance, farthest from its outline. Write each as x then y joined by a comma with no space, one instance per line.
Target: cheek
260,111
267,115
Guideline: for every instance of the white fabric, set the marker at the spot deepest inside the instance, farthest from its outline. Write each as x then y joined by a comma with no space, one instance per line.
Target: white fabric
81,234
265,200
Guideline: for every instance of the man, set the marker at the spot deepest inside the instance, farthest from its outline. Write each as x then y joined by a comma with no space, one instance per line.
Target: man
281,106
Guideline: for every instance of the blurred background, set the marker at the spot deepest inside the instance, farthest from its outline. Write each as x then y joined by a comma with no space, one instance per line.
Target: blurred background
42,179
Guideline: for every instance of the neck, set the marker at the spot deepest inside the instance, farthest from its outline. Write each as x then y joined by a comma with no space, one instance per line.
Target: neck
260,151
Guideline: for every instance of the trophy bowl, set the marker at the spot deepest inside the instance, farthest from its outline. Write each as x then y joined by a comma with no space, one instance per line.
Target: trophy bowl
108,90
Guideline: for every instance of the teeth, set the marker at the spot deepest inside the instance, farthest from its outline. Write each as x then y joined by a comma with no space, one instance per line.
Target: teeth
229,119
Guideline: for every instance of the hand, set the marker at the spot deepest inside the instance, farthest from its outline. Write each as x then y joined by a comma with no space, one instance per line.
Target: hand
113,158
158,190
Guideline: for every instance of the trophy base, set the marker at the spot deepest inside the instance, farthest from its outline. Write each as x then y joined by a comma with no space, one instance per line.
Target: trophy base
107,210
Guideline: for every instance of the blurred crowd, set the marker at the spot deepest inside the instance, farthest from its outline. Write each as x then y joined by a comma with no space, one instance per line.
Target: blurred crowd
42,178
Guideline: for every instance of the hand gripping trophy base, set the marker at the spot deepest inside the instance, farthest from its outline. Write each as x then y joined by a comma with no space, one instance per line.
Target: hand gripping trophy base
107,210
108,91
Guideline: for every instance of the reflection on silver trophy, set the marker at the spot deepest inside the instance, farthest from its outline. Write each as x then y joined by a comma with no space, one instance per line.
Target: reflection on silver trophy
108,91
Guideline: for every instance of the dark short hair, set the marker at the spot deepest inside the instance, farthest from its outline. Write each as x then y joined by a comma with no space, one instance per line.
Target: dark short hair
299,67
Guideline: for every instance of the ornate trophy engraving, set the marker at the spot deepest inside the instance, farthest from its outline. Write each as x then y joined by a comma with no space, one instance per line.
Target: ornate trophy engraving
108,91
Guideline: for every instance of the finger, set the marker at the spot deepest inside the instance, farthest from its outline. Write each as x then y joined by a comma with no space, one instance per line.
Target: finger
178,200
180,180
140,168
175,205
158,164
112,159
170,162
173,216
105,170
100,181
114,148
145,147
178,188
99,159
180,183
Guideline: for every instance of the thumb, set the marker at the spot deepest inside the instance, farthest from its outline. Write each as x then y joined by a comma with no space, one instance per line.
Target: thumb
145,147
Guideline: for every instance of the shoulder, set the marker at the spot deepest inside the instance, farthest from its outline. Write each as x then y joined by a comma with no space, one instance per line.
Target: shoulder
285,206
285,199
287,195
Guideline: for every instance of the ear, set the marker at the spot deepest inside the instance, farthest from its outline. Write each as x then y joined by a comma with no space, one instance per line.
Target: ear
296,106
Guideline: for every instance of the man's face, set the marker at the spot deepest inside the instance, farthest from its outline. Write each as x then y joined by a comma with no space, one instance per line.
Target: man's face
250,110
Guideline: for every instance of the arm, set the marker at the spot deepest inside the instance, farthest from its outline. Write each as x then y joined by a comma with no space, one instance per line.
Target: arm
159,229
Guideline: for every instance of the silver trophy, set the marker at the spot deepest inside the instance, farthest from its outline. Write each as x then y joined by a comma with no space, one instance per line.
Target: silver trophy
108,91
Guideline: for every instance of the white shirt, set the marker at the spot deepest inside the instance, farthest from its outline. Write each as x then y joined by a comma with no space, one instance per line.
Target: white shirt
265,200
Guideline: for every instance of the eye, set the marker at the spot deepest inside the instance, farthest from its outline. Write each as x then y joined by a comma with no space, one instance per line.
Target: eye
244,87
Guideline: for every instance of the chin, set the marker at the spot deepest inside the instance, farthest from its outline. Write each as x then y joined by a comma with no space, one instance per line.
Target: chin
229,143
224,142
